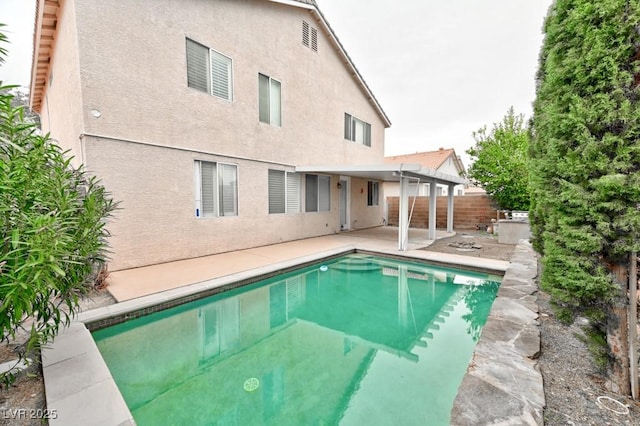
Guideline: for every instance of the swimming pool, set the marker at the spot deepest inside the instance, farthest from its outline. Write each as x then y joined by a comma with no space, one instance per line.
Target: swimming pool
353,340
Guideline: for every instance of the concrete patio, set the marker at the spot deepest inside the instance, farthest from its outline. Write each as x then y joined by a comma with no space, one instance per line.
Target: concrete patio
80,388
133,283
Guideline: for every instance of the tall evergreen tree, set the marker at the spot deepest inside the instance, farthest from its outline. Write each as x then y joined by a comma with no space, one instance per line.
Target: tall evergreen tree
585,161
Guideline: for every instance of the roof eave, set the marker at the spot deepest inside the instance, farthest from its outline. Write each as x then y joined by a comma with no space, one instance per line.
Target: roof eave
314,9
355,73
45,23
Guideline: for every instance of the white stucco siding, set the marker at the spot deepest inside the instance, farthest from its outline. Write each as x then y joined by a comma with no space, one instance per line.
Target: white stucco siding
449,167
134,72
61,112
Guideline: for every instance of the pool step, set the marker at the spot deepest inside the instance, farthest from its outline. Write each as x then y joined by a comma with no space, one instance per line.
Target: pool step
360,264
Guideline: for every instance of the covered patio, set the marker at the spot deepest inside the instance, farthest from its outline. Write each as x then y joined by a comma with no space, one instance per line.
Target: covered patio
405,174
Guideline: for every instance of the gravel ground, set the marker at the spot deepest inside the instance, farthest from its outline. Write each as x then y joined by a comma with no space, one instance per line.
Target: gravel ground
572,384
24,403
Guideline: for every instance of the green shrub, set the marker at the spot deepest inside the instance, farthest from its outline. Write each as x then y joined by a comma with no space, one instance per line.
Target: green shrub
52,232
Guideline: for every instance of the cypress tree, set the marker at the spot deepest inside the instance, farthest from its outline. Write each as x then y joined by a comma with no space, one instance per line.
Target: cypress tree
585,158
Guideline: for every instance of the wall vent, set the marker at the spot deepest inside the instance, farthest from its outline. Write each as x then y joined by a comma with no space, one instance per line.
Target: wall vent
314,39
305,33
309,36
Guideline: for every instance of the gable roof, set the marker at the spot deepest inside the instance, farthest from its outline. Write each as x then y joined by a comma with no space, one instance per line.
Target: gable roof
428,159
312,6
44,35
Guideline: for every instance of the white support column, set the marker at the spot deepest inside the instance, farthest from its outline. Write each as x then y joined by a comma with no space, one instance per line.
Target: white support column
450,209
403,211
432,209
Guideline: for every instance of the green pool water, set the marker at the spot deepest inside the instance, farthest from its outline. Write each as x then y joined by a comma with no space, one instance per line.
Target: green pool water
355,340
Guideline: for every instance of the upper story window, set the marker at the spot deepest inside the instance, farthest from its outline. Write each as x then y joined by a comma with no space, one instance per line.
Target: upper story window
269,100
284,192
317,193
209,71
357,130
216,189
309,36
373,189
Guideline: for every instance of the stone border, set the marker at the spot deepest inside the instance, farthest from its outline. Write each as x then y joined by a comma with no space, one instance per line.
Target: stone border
503,384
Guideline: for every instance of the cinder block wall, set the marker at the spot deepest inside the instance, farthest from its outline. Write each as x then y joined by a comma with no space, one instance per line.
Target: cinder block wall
469,212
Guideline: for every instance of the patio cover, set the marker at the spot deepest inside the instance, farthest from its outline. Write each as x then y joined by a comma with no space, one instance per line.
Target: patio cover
403,173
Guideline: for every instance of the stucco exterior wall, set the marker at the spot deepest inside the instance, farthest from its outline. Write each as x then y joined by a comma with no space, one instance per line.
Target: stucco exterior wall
362,215
120,101
156,221
133,60
61,112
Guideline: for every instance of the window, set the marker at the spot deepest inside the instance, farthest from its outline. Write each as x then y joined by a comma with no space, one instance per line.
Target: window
284,192
216,189
309,36
372,193
317,193
357,130
269,102
209,71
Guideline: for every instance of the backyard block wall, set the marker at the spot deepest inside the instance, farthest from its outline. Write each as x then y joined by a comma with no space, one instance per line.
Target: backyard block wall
469,212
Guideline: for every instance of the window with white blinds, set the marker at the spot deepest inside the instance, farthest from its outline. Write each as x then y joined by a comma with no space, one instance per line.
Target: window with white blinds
269,100
209,71
357,130
317,193
284,192
216,189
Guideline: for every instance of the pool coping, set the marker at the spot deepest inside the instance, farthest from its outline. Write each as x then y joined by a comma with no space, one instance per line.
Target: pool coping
79,387
503,384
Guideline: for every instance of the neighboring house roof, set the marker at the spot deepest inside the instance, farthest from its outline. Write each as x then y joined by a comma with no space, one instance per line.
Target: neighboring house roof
429,159
44,40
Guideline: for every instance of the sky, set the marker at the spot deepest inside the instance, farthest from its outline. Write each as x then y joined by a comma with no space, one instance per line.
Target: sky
440,69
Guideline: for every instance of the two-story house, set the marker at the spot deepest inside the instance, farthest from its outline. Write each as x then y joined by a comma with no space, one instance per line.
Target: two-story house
195,114
218,125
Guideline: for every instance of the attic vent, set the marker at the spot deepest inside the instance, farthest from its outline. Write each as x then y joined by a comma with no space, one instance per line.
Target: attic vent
309,36
314,39
305,33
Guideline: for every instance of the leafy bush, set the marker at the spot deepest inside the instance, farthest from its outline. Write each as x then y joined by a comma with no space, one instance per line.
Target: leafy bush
500,162
52,231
